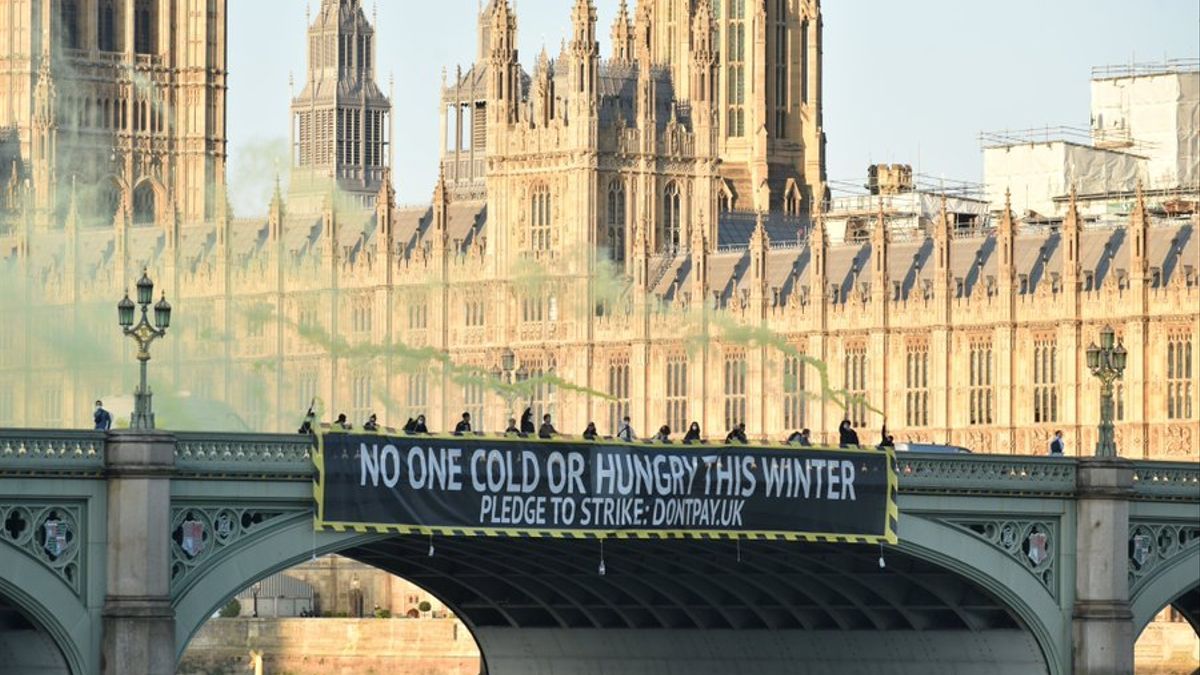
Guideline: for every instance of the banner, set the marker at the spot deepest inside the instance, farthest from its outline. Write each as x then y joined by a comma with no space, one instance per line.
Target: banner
483,486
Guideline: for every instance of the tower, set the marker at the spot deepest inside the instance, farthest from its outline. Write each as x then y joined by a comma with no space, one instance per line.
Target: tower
129,104
769,88
341,119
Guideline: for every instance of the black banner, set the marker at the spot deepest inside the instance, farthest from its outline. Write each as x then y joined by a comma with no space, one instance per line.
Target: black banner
484,486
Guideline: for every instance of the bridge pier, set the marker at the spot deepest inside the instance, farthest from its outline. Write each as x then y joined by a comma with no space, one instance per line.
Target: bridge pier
139,622
1102,619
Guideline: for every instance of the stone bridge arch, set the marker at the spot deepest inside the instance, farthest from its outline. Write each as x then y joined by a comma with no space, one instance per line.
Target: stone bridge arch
1174,582
51,606
518,584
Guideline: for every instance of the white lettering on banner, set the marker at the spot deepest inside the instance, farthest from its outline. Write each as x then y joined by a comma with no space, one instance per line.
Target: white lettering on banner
524,488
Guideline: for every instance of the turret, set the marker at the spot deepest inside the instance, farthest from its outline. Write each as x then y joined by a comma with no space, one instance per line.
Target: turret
504,76
942,289
543,98
622,36
879,261
1070,233
385,206
585,57
441,203
760,245
1139,226
699,275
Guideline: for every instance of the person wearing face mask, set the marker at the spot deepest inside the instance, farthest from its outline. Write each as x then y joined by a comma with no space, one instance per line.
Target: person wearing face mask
102,419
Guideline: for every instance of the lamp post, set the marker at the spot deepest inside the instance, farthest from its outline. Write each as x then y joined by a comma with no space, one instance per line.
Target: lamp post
256,588
1106,362
505,373
144,334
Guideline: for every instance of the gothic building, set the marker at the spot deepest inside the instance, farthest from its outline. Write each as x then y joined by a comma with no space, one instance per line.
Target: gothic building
644,232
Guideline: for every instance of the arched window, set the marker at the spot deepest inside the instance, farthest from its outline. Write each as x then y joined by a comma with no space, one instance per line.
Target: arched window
791,199
108,27
616,220
143,29
69,10
671,218
724,199
144,209
539,218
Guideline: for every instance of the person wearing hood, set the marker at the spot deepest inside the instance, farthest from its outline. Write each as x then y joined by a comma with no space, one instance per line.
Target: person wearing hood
590,433
527,421
693,434
847,437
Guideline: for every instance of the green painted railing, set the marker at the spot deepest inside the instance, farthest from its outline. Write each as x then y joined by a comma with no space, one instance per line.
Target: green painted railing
289,457
35,451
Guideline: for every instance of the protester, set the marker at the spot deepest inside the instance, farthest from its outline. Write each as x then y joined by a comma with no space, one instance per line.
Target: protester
1056,444
885,440
419,427
547,429
372,423
464,425
342,423
847,437
527,421
306,427
590,433
410,426
511,429
102,419
625,431
663,435
693,433
737,434
800,438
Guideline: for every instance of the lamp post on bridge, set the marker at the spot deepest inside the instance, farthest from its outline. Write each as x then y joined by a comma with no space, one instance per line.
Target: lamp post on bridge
506,373
144,334
1107,362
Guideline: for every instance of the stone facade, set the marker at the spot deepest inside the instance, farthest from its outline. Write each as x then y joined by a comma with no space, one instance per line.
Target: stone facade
303,646
595,226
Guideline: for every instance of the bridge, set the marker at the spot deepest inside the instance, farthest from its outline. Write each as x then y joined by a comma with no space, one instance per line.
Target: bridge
115,548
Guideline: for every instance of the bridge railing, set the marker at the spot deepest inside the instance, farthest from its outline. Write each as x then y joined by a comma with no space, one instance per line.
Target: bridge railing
51,451
241,456
991,474
1166,480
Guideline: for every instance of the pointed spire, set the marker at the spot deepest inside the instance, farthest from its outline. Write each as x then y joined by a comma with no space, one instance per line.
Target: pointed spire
622,36
643,32
1139,226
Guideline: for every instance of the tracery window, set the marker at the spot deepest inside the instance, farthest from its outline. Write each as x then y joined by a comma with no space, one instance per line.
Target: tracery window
782,74
671,218
618,388
616,220
677,392
981,390
539,218
916,385
735,85
418,393
1179,376
855,380
795,402
1045,380
735,389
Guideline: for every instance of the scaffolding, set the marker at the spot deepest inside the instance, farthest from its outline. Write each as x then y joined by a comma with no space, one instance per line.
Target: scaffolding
1146,69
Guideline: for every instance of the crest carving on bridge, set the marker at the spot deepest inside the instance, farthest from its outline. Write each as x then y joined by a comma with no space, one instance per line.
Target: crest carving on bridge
1151,545
50,534
1032,543
200,534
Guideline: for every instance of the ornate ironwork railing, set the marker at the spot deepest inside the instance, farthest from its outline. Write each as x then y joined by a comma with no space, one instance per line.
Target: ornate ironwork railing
278,456
985,474
32,451
1166,480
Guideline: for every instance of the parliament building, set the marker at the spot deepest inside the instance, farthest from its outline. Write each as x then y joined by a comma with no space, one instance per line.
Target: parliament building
647,233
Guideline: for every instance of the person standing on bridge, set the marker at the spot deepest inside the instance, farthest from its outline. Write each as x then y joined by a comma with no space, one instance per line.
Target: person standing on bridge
801,438
885,440
511,429
847,437
625,431
101,418
419,427
590,433
372,423
342,423
1056,445
547,429
663,435
527,422
693,434
737,434
464,425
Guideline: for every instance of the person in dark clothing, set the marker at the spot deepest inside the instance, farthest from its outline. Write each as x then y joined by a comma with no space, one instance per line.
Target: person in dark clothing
801,438
527,421
663,435
511,429
693,434
410,426
885,440
737,434
464,425
590,433
310,419
547,429
342,423
847,437
102,419
372,423
625,431
419,427
1056,445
